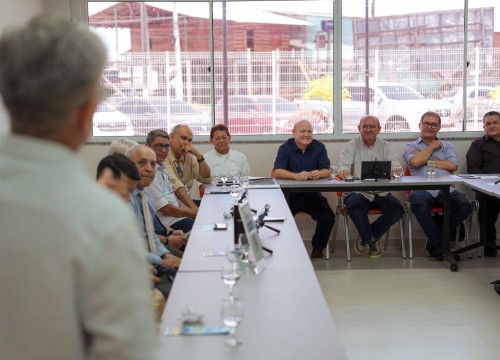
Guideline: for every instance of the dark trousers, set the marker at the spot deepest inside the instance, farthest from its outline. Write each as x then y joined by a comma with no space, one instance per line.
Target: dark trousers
185,225
357,207
492,210
422,201
315,205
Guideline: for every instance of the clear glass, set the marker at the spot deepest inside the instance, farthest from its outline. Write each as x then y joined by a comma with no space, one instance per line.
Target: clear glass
235,190
244,181
397,172
431,168
230,275
334,169
232,316
224,176
234,255
235,176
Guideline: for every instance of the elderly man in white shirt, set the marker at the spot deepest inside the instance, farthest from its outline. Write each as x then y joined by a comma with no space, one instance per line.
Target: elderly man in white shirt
221,159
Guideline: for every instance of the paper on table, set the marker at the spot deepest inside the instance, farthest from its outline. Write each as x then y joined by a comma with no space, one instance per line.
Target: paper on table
196,330
472,176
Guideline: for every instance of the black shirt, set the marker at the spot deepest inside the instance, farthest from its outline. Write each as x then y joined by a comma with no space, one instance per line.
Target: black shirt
483,156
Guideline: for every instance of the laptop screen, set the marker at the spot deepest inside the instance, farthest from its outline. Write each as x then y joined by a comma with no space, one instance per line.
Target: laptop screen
375,170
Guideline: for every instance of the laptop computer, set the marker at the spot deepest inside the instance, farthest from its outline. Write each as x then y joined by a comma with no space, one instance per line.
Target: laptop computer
376,170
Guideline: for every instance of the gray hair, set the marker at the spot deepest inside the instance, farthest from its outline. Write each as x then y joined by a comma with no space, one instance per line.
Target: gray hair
153,134
48,68
177,127
121,146
369,116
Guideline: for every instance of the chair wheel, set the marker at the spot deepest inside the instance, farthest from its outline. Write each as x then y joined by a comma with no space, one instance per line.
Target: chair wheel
454,267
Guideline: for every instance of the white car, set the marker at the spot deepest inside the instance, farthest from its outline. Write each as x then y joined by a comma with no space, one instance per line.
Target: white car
108,121
456,95
398,107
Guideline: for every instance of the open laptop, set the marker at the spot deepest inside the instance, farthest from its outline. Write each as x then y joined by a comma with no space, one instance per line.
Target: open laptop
376,170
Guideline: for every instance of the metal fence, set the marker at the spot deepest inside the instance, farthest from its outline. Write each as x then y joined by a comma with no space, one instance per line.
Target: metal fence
261,78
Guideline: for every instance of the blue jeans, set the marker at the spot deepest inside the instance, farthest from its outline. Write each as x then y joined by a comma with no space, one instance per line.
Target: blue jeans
421,202
317,206
357,207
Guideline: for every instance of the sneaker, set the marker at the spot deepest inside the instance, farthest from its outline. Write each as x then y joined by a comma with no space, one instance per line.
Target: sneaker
359,247
375,252
316,255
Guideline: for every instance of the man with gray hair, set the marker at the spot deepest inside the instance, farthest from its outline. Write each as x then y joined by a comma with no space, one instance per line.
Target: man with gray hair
367,147
75,280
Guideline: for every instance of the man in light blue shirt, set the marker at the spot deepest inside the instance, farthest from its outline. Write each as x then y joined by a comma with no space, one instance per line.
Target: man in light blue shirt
417,154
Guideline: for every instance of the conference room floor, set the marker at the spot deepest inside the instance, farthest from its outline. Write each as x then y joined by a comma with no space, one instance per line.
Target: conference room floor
390,308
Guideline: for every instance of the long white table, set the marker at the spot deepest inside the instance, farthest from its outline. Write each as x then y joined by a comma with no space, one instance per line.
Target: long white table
285,317
442,183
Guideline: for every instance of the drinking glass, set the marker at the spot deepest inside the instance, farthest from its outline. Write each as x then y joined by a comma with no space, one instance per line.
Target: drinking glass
334,169
232,316
234,190
397,171
224,176
234,255
244,181
431,167
235,175
230,276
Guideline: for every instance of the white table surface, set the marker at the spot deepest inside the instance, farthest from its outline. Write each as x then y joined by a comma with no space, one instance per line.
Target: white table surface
285,318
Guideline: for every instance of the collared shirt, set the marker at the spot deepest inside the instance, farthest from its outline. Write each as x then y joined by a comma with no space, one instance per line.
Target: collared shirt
291,158
68,250
232,161
356,151
182,172
445,152
136,203
163,193
483,156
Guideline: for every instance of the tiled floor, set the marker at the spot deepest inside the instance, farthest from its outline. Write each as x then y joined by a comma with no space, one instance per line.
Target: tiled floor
392,308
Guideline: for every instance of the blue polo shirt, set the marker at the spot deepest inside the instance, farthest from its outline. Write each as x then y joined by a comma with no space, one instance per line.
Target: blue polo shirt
291,158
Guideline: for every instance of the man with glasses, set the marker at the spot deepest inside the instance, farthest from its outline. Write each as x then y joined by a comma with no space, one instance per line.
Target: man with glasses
367,147
442,153
483,157
171,211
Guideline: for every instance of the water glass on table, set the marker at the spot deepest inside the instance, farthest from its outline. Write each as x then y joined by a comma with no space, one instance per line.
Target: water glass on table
232,316
397,172
431,168
230,275
334,170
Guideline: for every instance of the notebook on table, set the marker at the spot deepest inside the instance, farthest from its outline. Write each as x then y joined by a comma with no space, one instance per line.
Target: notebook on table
376,170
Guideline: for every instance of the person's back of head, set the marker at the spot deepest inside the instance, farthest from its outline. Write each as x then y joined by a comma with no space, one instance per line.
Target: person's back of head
49,69
121,146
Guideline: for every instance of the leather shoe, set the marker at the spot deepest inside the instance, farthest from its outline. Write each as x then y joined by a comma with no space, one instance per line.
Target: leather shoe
316,255
490,252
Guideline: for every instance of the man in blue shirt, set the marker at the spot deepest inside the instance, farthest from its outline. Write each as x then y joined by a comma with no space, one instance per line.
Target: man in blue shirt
417,153
303,158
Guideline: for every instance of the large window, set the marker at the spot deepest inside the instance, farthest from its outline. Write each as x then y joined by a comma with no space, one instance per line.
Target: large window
258,65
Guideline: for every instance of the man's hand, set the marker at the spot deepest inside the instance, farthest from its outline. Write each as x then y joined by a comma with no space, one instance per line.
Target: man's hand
303,176
179,232
177,241
435,144
189,148
343,174
171,261
314,175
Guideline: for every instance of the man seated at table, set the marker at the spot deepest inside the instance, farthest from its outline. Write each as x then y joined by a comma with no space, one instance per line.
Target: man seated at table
171,211
185,164
367,147
304,158
483,157
143,204
119,174
417,153
223,159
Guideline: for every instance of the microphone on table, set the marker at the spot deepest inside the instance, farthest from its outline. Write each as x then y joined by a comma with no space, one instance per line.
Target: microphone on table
260,219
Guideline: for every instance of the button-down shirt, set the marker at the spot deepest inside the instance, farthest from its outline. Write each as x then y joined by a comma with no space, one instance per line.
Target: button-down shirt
163,193
356,151
445,152
483,156
232,161
136,203
291,158
182,172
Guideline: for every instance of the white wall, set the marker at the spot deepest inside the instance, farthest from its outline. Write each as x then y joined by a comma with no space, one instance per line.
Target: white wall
13,13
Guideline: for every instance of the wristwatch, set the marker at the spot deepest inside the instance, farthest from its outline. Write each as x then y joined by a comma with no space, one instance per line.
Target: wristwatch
200,159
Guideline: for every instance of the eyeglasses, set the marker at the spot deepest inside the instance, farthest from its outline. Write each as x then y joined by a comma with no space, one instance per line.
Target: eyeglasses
162,146
426,124
493,123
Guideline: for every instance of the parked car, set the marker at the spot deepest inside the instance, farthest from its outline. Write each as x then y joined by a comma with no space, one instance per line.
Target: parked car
161,112
456,94
398,107
108,121
256,114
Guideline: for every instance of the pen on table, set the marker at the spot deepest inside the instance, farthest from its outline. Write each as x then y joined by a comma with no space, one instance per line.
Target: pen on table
496,182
